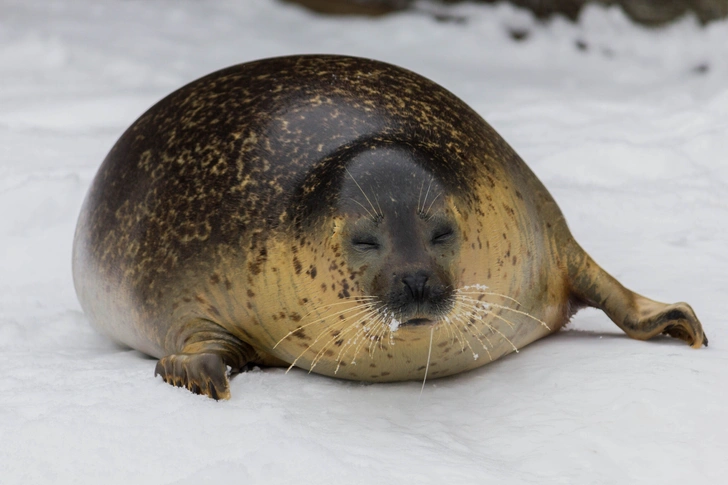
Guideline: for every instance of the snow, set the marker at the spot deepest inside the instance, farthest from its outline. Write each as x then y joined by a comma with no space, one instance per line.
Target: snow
629,134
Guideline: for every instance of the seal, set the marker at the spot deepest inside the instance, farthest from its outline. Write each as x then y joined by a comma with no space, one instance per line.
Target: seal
337,214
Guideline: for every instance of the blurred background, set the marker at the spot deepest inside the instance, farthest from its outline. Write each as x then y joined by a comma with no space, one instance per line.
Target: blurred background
647,12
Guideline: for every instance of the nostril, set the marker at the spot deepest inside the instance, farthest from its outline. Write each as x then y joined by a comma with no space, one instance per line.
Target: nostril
410,285
416,285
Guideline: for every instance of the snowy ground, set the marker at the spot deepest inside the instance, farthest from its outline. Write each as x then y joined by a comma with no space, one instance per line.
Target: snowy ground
629,134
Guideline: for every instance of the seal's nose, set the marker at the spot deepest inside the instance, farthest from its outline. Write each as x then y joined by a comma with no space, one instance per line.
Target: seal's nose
416,285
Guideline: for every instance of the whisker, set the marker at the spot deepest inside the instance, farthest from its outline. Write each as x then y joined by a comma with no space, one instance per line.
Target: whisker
419,199
363,207
362,317
427,367
363,193
334,338
479,307
376,199
478,310
366,334
450,331
427,193
466,340
462,339
323,308
317,358
357,298
495,329
319,320
326,328
544,324
351,341
361,341
481,291
496,305
377,337
469,328
431,204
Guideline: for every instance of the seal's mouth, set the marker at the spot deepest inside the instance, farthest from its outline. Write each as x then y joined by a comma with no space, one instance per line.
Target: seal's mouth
417,321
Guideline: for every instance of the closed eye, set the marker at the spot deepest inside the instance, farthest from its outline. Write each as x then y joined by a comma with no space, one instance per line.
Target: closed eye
442,236
365,244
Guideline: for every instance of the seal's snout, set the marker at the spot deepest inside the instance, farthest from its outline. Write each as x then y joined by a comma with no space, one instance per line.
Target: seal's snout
419,297
416,285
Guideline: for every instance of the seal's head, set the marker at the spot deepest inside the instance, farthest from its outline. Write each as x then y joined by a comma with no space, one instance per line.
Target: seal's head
398,231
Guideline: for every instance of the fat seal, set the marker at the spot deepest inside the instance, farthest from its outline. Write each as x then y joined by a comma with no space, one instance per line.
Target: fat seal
338,214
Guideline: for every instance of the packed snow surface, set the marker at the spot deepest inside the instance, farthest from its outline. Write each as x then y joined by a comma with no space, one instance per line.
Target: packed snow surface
627,127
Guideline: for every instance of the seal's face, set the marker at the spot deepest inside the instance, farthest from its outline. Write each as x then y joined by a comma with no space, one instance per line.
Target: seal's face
380,281
398,232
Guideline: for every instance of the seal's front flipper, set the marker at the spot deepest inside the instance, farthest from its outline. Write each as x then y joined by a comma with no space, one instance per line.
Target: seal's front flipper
200,373
639,317
203,352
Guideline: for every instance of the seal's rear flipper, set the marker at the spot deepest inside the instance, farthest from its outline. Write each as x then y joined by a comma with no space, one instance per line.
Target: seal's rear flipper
639,317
